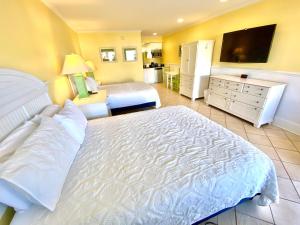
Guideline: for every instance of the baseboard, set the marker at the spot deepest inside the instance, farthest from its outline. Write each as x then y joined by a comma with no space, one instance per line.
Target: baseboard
287,125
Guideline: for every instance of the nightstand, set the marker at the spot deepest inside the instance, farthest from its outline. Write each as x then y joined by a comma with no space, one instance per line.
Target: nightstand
94,106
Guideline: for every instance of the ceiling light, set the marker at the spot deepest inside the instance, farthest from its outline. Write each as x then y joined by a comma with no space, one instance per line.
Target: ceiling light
223,1
154,34
180,20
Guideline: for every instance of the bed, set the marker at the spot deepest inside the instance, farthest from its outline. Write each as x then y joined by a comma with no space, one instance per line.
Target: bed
164,166
131,96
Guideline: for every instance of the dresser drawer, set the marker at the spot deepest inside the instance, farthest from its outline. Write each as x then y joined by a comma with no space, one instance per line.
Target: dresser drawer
187,91
248,99
186,78
187,83
256,90
217,100
234,86
248,112
216,82
220,91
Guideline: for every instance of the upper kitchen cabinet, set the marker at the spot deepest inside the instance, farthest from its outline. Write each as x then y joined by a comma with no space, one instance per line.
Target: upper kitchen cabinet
152,50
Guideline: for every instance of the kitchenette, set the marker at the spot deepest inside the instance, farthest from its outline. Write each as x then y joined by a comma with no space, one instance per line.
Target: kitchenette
152,61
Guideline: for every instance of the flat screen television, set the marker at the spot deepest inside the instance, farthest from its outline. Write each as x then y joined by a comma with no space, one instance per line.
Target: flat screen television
248,46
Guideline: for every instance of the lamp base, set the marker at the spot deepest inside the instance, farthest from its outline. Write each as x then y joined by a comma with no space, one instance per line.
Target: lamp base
80,85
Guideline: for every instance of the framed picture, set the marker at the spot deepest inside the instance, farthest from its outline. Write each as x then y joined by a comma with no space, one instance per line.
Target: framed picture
108,54
130,54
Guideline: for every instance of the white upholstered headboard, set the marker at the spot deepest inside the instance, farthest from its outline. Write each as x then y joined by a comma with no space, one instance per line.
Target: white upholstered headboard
21,97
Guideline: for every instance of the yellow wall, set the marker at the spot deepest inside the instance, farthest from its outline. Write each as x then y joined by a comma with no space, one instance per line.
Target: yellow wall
149,39
284,55
33,39
115,72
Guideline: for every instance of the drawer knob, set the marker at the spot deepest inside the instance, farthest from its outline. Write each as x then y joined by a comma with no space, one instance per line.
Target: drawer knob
246,91
261,89
257,101
236,89
259,94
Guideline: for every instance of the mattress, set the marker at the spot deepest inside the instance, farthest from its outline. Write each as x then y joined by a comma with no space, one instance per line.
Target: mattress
130,94
166,166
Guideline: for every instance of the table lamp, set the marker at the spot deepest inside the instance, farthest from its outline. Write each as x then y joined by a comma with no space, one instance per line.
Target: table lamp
75,66
91,67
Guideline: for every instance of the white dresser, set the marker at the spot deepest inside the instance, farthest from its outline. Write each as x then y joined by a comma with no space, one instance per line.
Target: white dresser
195,68
250,99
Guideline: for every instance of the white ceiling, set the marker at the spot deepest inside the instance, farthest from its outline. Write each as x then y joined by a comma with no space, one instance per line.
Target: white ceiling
147,16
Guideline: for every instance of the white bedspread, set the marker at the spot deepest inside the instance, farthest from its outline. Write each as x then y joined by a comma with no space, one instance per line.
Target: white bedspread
165,166
130,94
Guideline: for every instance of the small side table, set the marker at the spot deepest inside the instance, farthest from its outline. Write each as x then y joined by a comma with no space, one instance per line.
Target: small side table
93,106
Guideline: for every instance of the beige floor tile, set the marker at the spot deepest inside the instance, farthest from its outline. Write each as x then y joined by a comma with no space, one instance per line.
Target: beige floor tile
259,139
227,218
218,119
217,112
204,110
270,126
241,133
275,133
234,125
297,144
233,119
280,170
248,220
293,170
269,151
283,143
206,114
286,212
292,136
289,156
253,130
297,186
287,190
251,209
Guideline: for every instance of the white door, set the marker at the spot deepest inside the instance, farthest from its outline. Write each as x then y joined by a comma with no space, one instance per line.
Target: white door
192,59
185,52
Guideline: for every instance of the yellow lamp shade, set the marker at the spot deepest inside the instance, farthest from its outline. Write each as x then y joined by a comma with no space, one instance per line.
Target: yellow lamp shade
90,65
74,64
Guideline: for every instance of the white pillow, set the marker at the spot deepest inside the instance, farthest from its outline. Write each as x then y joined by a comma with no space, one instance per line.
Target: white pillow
91,84
71,111
12,197
71,127
9,145
8,195
38,168
50,110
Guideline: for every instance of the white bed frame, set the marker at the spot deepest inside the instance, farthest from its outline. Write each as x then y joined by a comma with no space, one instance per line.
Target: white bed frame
21,97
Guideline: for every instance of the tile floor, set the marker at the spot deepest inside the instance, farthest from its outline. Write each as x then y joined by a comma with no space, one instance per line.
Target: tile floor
280,145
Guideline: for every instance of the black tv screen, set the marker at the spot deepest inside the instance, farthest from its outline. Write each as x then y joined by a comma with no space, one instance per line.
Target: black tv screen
248,46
